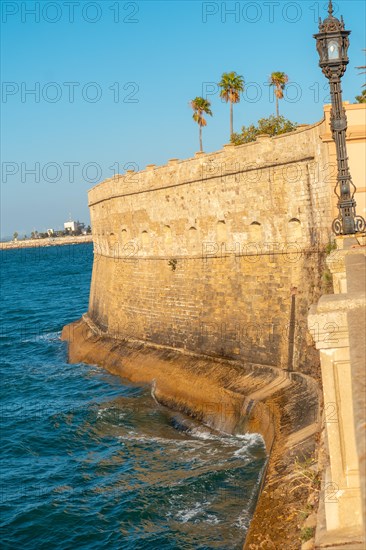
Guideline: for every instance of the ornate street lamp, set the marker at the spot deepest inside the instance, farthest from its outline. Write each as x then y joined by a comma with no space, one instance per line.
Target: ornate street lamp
332,44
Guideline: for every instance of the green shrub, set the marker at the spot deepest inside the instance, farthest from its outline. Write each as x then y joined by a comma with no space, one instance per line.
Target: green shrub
307,533
273,126
330,247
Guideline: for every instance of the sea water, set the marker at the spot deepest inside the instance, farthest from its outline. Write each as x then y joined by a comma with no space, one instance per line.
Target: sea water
90,461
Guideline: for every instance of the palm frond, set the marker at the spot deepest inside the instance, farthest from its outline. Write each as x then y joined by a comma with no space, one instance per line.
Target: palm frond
200,106
278,79
231,85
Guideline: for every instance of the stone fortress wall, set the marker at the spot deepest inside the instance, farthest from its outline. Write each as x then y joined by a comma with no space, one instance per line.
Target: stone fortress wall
205,254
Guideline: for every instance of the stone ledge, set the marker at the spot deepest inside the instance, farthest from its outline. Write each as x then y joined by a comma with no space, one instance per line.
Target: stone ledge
340,302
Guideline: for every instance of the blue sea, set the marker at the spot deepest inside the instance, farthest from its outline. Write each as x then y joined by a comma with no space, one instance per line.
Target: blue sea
90,461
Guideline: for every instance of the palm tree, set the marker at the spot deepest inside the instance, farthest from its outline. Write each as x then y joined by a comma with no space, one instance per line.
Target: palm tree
200,106
278,80
231,85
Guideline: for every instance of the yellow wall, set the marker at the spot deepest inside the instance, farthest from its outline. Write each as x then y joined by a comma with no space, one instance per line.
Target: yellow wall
356,148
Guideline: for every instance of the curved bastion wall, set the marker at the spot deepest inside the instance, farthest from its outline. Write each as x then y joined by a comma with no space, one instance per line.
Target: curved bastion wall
220,254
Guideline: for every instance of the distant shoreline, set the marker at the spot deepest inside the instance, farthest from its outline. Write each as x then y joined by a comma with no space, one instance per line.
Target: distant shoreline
50,241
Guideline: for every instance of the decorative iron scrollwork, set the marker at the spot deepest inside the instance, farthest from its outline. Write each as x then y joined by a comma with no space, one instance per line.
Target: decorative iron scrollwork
337,226
360,224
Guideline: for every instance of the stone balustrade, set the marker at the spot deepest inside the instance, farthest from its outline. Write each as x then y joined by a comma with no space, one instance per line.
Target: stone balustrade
341,342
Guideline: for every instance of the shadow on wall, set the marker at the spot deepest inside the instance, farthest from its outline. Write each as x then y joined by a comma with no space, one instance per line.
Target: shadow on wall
145,241
255,232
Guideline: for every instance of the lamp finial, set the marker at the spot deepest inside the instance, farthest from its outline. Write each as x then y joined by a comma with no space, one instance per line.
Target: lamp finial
330,8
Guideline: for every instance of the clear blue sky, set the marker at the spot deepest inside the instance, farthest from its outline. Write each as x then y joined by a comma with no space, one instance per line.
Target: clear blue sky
156,55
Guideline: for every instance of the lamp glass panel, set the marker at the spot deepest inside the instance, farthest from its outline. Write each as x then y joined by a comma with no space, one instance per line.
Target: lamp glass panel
333,49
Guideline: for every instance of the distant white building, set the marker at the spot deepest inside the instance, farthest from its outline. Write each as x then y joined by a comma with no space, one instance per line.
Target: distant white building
71,226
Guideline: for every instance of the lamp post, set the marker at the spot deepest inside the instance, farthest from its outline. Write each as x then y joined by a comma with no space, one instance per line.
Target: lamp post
332,43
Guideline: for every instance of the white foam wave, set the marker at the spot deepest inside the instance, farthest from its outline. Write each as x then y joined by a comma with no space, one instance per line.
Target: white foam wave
189,513
233,440
132,436
202,439
203,434
243,521
41,337
213,520
107,412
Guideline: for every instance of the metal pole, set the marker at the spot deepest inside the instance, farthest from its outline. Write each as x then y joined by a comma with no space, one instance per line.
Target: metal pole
346,223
